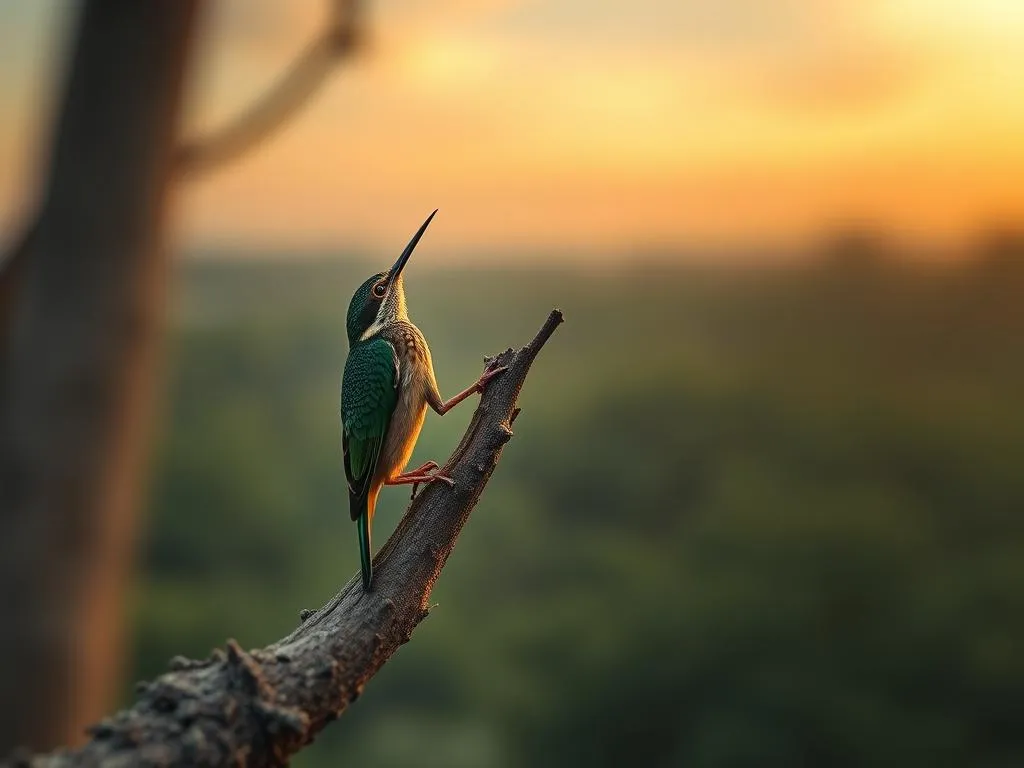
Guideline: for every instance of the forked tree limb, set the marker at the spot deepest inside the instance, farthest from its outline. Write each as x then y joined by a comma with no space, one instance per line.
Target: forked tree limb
282,101
258,708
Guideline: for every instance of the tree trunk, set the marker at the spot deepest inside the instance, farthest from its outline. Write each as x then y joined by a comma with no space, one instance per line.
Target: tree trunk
84,340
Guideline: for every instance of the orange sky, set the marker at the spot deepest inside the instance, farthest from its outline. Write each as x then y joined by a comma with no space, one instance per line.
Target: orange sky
585,126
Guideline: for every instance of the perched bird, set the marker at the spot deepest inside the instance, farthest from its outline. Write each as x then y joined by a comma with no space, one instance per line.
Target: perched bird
386,387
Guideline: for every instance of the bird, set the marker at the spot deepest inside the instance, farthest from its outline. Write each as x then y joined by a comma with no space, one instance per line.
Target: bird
387,384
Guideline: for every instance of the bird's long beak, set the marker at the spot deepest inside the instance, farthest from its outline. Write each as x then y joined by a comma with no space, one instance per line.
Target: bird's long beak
400,264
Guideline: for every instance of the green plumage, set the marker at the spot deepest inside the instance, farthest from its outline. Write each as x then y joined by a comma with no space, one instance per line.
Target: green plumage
369,394
368,397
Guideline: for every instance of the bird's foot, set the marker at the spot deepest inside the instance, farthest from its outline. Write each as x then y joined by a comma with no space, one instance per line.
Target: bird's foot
485,377
429,466
421,475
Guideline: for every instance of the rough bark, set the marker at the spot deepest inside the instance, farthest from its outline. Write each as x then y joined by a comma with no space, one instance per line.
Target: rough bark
257,708
80,350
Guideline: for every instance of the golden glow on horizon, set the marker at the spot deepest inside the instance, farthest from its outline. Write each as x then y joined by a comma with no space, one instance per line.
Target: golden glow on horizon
644,123
965,18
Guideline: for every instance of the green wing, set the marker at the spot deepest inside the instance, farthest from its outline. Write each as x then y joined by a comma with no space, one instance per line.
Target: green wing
368,396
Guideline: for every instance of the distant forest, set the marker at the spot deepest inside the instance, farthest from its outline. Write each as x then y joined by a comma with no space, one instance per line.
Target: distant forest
759,517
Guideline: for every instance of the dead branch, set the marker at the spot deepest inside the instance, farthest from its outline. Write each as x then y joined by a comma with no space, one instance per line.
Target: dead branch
284,99
257,708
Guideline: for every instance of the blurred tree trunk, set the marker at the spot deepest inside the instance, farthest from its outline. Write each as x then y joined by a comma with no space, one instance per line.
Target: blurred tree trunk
82,344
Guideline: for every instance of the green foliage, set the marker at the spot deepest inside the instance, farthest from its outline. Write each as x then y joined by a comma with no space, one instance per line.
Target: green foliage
750,518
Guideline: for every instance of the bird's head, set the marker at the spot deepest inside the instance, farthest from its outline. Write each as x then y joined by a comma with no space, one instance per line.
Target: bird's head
380,300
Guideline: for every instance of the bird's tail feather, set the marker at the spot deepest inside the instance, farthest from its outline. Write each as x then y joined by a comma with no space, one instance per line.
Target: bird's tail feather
362,511
365,555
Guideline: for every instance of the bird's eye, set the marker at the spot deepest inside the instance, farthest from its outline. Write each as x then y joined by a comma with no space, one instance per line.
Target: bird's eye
379,289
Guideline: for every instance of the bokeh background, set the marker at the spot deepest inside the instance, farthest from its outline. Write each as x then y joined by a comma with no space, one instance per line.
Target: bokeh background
764,503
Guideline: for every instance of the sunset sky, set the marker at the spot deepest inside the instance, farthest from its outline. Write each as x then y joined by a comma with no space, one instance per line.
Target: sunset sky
580,127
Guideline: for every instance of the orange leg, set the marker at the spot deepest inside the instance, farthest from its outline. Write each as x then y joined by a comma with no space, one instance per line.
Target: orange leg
478,386
420,475
430,466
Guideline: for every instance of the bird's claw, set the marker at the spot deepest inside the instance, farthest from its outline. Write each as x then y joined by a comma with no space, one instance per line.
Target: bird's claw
430,479
428,466
491,371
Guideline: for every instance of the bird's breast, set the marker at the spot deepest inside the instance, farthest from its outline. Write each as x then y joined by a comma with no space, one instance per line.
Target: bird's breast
411,408
411,349
404,429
